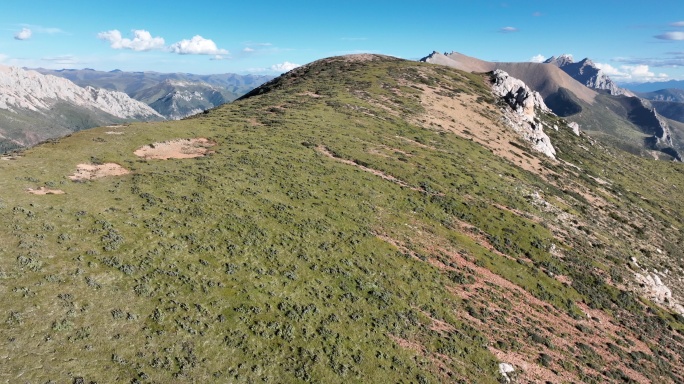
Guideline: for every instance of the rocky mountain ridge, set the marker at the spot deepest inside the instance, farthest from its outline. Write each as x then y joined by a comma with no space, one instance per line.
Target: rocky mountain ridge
30,90
36,107
173,95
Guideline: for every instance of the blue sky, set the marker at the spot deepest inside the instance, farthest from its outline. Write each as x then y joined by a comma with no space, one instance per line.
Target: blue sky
631,40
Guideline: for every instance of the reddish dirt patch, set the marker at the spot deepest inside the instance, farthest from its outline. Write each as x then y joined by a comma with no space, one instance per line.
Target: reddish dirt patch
92,171
506,313
176,149
44,191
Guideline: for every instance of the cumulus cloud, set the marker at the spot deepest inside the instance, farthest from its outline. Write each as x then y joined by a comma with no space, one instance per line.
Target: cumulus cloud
142,40
24,34
508,29
538,58
198,45
673,35
638,73
284,67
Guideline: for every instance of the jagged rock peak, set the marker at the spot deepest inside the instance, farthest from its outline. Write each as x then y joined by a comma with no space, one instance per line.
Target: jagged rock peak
430,56
517,94
522,114
560,60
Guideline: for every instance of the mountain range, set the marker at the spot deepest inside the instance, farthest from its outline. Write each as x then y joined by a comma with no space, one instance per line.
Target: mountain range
34,108
173,95
654,86
358,219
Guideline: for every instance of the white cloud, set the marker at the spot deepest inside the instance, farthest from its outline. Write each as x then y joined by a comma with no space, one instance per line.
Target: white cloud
537,14
24,34
636,73
284,67
508,29
3,57
538,58
248,50
142,40
198,45
677,24
671,36
64,59
218,57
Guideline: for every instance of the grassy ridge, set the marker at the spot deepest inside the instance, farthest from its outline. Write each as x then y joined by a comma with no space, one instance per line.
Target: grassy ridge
270,261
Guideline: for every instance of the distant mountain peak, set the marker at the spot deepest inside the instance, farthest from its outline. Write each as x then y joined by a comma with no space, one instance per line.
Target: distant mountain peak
587,73
561,60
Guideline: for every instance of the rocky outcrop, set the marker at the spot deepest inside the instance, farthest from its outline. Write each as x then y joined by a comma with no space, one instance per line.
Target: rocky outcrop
521,115
506,370
575,128
653,287
587,73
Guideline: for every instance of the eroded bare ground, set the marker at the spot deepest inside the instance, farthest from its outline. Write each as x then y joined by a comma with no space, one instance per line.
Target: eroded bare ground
524,330
176,149
463,115
95,171
44,191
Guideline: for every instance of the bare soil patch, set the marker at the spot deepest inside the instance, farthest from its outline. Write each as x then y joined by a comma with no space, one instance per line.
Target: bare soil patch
176,149
92,171
44,191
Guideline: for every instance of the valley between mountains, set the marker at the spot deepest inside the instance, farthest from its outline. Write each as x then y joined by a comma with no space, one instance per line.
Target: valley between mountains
358,219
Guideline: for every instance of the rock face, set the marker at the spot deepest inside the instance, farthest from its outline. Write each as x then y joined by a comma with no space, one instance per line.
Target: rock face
522,116
29,90
587,73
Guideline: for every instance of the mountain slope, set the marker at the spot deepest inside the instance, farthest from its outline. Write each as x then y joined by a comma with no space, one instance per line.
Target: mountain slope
361,218
174,95
35,107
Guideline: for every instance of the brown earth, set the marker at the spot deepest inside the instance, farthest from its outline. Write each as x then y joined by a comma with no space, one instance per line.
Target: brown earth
92,171
176,149
44,191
